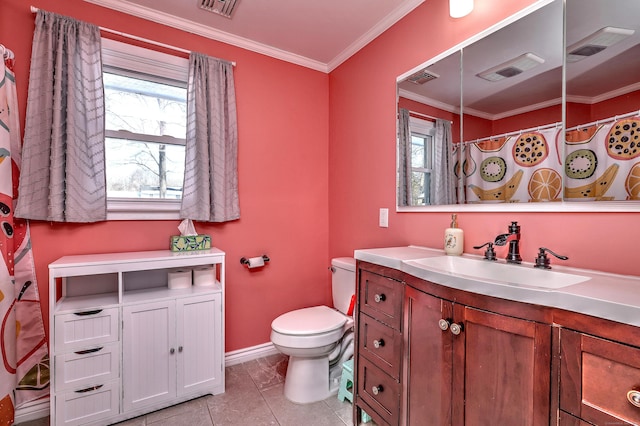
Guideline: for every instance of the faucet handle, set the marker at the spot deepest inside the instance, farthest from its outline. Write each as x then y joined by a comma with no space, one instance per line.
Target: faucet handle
542,261
490,253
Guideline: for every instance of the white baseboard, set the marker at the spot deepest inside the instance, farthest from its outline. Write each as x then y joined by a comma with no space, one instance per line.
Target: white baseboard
249,354
32,410
38,409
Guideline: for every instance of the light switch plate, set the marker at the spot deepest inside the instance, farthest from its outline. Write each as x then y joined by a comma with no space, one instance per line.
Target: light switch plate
384,218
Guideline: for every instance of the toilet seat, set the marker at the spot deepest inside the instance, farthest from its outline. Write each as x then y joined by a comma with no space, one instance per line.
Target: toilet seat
309,321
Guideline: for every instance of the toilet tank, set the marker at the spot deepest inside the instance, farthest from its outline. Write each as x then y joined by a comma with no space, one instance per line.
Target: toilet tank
343,282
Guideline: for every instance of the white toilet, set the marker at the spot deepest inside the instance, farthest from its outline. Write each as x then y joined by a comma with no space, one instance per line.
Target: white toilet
318,339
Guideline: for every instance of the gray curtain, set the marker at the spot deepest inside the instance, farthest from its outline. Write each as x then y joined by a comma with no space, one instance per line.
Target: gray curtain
404,159
63,165
443,181
210,191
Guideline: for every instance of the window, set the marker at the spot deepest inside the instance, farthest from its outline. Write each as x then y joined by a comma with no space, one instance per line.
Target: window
422,133
145,101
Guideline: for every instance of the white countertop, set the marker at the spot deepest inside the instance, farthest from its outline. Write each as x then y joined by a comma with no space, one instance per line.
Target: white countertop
609,296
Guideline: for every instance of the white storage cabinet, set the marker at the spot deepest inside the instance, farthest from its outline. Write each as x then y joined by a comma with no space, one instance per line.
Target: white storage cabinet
123,343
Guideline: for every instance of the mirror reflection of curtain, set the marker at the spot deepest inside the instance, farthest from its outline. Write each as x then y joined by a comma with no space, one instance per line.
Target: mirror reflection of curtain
514,168
443,181
404,158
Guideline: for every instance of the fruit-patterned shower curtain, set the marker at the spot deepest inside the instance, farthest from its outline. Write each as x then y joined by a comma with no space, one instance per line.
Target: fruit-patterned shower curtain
600,164
24,373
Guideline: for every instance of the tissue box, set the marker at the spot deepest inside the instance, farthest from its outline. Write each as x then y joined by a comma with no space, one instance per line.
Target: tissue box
190,242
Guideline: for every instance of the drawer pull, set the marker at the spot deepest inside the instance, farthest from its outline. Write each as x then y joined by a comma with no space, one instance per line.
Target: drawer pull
378,343
84,314
456,329
377,389
633,396
443,324
379,298
89,351
92,388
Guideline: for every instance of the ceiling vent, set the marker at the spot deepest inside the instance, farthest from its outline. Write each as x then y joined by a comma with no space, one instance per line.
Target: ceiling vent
221,7
422,76
597,42
512,68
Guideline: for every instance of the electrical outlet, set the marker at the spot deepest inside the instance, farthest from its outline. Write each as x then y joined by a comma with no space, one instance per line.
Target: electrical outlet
384,218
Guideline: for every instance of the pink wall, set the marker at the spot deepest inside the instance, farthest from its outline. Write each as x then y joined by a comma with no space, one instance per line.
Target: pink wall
283,178
362,157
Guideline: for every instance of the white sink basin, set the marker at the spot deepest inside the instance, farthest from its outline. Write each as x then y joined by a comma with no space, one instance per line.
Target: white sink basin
485,270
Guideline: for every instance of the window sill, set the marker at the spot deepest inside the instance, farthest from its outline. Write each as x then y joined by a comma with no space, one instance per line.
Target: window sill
142,209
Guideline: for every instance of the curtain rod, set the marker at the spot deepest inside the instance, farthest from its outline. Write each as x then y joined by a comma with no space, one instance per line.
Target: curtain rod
517,132
419,114
133,37
605,120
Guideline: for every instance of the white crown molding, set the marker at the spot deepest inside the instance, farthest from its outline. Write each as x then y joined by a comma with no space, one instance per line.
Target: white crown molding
428,101
605,96
208,32
399,13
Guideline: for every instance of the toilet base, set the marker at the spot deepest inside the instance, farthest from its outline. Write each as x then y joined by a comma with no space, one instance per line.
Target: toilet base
308,380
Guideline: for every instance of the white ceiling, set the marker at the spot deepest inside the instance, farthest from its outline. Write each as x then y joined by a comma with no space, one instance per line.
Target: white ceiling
316,34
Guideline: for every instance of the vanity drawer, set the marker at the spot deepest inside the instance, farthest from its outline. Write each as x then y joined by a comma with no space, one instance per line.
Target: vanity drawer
86,366
88,404
381,298
379,390
596,376
381,344
86,328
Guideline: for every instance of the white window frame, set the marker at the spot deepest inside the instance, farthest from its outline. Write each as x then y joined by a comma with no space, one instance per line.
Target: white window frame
420,127
137,59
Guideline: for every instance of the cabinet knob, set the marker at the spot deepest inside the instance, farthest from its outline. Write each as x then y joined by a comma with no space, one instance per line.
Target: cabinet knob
379,298
179,348
378,343
633,396
172,351
456,328
443,324
377,389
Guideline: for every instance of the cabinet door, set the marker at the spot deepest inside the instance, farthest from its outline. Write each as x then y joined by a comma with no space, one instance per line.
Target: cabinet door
429,359
502,370
199,321
599,379
149,351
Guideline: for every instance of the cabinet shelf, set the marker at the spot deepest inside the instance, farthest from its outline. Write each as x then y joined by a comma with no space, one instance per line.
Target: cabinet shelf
162,293
82,303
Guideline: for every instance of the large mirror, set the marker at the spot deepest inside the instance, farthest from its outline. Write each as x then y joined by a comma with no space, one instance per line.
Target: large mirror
502,95
602,149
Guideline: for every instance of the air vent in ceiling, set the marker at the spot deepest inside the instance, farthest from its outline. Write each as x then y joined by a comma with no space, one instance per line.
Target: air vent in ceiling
597,42
422,76
512,68
221,7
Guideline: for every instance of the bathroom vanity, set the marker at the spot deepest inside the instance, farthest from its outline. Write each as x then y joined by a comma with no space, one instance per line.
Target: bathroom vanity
123,343
437,345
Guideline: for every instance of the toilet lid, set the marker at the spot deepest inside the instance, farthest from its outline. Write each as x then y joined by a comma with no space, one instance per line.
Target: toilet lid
318,319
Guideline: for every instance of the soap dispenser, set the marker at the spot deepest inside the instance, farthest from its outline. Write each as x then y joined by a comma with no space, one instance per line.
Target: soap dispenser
453,238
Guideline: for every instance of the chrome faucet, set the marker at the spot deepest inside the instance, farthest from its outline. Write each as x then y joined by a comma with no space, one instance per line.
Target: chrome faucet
513,237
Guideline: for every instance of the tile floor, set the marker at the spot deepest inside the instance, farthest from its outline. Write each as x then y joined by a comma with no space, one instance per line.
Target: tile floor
253,397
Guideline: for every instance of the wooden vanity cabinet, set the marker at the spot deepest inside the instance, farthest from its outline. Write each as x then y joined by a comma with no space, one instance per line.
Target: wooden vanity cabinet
475,367
599,381
461,364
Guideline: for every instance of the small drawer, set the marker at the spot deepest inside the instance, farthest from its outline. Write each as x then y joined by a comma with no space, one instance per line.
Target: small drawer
381,344
88,404
379,390
86,366
599,379
381,298
86,328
